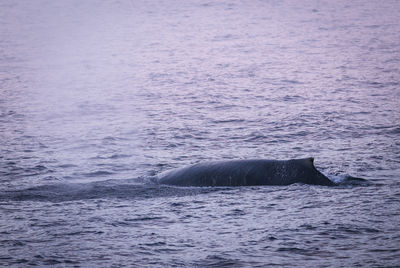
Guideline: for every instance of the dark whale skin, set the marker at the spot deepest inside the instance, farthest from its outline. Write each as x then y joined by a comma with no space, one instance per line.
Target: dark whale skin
246,173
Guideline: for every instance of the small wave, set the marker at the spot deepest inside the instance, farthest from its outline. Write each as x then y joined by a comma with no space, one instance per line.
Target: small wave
112,156
218,261
229,121
99,173
67,166
395,130
288,81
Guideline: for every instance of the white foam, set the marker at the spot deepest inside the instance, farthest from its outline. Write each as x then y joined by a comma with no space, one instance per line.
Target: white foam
338,179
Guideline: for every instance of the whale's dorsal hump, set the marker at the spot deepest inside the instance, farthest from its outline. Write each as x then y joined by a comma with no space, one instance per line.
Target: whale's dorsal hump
309,161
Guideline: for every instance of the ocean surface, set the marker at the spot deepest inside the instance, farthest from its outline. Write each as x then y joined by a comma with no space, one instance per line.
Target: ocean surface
98,97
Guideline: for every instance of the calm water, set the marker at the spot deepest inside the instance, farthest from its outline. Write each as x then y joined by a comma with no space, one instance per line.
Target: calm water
96,97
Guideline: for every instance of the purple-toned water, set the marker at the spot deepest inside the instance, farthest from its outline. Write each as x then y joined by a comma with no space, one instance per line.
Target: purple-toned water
96,97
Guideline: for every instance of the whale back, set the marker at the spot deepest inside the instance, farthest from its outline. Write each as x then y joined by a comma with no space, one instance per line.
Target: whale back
246,173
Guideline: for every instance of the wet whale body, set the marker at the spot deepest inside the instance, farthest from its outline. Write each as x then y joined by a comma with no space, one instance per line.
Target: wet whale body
246,173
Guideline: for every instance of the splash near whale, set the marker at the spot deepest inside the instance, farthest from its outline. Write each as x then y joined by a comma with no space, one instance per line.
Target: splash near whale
246,173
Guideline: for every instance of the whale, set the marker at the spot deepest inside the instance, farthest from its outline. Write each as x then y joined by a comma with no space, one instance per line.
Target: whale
251,172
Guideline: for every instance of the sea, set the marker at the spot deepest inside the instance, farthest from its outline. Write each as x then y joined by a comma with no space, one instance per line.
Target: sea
99,97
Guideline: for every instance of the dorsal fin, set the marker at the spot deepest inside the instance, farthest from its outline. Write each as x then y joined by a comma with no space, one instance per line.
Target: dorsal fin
308,161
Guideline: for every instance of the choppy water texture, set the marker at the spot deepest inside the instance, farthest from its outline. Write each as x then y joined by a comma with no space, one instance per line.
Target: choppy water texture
96,97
